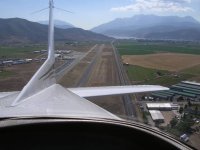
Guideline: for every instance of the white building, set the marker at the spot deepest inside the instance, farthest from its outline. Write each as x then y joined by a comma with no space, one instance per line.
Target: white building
159,106
156,116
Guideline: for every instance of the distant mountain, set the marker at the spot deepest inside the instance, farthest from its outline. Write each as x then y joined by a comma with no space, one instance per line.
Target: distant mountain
59,24
16,30
152,27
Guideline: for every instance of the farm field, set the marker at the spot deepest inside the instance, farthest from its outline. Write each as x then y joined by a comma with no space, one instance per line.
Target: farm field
139,73
22,51
19,51
168,80
193,70
142,75
163,61
141,48
5,74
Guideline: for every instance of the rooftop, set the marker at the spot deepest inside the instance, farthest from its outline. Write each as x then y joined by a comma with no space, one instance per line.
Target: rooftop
156,115
190,82
159,105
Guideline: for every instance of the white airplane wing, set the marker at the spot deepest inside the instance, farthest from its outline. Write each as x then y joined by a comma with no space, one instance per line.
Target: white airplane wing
54,101
5,94
114,90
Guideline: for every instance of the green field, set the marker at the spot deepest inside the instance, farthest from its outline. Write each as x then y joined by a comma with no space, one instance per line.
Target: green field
138,73
18,51
22,51
193,70
5,74
169,80
144,75
141,48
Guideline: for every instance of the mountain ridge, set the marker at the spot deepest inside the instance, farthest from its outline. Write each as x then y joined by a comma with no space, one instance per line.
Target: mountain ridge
17,30
59,24
141,26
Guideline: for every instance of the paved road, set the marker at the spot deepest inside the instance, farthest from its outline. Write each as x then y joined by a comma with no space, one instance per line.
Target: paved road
127,100
84,79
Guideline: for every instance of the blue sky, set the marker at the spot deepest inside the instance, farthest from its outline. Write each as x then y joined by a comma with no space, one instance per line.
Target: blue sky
90,13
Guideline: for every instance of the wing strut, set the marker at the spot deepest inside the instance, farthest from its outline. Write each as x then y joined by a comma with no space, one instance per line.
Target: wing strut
45,76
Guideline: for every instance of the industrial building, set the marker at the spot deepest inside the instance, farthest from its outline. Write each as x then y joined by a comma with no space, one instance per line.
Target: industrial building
185,89
162,106
155,108
156,116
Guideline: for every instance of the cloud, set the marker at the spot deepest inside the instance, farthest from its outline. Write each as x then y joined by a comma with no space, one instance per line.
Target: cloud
155,6
178,1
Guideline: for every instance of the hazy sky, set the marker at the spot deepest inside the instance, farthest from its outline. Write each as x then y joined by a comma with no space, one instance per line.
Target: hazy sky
90,13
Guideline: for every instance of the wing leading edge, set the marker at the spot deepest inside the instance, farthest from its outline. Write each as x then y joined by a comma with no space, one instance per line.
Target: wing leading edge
115,90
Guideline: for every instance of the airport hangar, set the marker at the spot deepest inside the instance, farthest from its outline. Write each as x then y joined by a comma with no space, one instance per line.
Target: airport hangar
186,89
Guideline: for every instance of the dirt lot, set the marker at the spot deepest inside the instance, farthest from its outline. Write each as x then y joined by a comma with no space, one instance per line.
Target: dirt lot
168,115
194,140
21,75
163,61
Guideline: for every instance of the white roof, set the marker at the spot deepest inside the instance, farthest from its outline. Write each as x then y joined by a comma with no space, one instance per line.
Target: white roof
159,105
175,105
57,55
156,115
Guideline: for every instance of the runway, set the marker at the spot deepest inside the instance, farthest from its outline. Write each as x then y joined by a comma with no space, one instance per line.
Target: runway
102,67
127,99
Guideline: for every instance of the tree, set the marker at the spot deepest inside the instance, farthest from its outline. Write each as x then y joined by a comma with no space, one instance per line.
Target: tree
181,110
173,122
189,103
184,115
143,97
184,125
180,98
185,107
159,73
145,119
196,110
